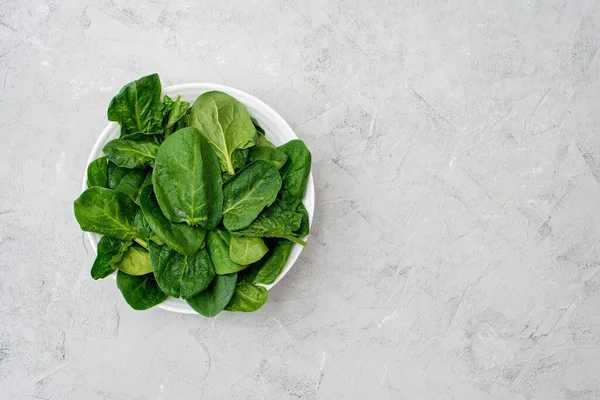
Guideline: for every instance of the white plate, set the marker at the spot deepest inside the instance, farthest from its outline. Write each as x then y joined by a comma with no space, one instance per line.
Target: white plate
277,131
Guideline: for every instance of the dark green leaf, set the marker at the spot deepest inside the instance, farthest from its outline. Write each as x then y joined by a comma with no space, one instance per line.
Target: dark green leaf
246,250
225,123
142,227
115,174
274,222
131,183
218,247
174,111
142,137
181,237
140,292
305,224
248,274
107,212
294,173
137,107
135,262
273,263
247,298
130,153
213,300
258,128
179,275
268,154
147,182
97,173
110,252
187,180
248,192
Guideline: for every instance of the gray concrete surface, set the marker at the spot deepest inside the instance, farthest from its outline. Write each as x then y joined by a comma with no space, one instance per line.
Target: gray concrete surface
456,156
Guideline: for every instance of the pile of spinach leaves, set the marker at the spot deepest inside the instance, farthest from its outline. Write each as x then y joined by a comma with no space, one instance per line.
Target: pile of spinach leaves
193,201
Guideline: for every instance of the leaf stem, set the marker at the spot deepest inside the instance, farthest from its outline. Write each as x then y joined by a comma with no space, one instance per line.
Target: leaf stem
141,242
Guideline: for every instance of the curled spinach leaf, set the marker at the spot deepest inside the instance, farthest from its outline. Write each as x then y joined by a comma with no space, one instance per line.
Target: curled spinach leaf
174,111
137,107
179,275
97,173
273,263
181,237
294,174
246,250
130,153
140,292
135,261
305,224
257,126
248,192
213,299
107,212
218,247
247,297
226,125
110,253
187,180
274,222
131,183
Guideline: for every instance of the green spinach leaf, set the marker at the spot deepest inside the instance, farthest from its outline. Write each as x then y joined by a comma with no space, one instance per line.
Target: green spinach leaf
225,123
181,237
213,299
130,153
137,107
179,275
294,173
218,247
115,174
135,262
268,154
174,111
97,173
140,292
131,183
305,224
257,126
110,253
107,212
246,250
274,222
187,180
247,193
273,263
247,297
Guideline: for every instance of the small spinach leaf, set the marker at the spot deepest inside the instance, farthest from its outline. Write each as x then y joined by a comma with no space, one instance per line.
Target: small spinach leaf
97,173
179,275
225,123
110,252
246,250
142,137
247,297
137,107
173,112
294,173
131,183
305,224
130,153
181,237
218,248
107,212
248,192
187,179
273,263
274,222
135,262
115,174
213,299
140,292
268,154
257,126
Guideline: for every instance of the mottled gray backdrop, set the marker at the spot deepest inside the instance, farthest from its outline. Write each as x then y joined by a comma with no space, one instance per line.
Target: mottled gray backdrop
456,152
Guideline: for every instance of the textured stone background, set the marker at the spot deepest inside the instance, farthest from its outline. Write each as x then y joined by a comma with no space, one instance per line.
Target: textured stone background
456,154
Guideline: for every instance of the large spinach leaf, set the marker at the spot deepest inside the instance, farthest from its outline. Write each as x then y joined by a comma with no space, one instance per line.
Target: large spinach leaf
213,299
247,297
225,122
246,250
187,179
273,263
97,173
179,275
218,247
174,111
137,107
130,153
247,193
274,222
110,253
107,212
294,173
140,292
135,262
181,237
